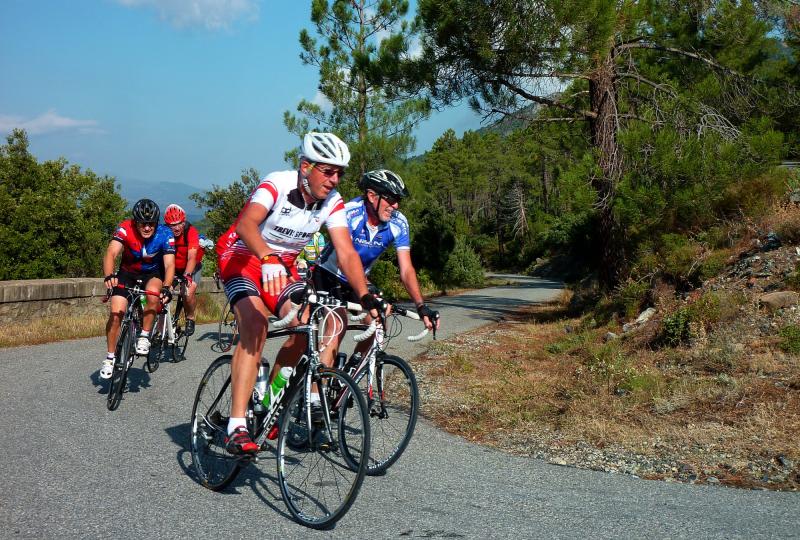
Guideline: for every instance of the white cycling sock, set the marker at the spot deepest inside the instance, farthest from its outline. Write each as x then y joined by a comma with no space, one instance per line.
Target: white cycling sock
110,356
314,398
144,333
233,423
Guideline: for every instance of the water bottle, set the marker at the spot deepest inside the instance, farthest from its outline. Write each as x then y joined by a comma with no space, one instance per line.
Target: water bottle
280,380
260,389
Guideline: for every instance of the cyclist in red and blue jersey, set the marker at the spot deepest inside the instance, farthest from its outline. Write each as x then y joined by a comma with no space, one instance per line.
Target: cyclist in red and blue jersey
188,257
375,223
148,253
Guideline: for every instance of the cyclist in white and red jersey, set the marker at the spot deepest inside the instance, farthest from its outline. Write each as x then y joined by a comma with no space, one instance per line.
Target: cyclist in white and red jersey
257,263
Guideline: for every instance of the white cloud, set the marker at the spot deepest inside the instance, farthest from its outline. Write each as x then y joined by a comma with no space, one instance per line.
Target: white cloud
322,101
48,122
212,14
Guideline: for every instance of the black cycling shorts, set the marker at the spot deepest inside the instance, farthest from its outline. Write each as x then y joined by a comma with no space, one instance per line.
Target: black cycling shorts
323,280
130,279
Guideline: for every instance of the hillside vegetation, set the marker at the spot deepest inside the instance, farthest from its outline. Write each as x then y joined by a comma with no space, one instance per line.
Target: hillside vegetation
704,388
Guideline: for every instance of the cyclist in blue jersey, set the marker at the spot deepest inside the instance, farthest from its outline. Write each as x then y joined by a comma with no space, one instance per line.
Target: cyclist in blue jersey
375,223
148,253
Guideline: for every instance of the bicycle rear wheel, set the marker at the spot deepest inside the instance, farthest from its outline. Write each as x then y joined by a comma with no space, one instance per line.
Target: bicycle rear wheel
393,404
214,466
123,352
317,484
181,339
227,328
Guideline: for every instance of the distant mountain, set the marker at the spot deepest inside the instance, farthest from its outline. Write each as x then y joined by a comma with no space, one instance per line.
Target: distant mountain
164,193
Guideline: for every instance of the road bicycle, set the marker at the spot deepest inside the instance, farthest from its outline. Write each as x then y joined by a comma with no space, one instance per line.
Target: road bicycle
227,330
389,387
170,330
125,350
318,483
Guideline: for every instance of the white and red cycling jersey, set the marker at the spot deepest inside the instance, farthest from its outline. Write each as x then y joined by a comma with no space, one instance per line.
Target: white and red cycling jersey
289,224
290,221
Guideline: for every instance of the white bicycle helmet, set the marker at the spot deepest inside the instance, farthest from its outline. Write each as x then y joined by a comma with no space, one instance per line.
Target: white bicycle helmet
325,148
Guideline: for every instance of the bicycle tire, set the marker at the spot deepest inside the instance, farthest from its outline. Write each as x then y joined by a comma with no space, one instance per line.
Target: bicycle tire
227,330
314,503
213,465
181,339
157,344
393,406
119,376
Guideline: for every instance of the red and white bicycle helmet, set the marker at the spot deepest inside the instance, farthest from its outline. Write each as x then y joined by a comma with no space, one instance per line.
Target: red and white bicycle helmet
174,214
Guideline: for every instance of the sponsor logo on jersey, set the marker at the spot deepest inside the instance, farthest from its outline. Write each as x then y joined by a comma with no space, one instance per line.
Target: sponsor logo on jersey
286,210
122,231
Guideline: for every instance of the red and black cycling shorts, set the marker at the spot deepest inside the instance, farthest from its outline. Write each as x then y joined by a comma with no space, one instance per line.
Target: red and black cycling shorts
241,274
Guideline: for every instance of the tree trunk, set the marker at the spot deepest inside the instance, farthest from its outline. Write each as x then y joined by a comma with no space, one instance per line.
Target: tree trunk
604,127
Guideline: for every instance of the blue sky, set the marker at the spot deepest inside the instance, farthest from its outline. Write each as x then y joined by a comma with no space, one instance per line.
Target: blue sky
189,91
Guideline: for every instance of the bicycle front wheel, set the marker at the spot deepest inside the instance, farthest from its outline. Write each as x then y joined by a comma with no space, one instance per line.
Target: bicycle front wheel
181,339
393,402
214,466
157,344
119,377
317,483
227,328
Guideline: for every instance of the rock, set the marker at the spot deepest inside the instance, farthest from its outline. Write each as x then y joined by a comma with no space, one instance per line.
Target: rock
645,315
779,299
610,336
784,461
712,480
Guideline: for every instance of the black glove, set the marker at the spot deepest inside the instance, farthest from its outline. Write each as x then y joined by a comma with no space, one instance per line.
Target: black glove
425,311
369,302
166,293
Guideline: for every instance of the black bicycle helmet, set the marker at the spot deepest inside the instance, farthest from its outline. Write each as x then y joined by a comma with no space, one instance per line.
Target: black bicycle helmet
383,182
146,211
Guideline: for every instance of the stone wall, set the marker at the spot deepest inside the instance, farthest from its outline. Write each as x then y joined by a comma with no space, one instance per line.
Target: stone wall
30,299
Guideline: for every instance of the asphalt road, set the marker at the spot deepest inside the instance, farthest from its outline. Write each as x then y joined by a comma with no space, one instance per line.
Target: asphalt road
72,469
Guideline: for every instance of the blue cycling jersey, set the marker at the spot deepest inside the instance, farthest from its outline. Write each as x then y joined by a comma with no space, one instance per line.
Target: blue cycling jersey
370,242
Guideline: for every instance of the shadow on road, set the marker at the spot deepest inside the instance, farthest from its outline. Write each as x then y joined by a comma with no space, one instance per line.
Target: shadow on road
261,483
138,378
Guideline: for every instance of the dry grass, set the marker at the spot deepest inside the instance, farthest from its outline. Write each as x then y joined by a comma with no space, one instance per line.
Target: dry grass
50,329
528,386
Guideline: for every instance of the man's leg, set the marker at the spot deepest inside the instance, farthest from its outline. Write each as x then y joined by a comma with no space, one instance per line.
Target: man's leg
151,307
251,315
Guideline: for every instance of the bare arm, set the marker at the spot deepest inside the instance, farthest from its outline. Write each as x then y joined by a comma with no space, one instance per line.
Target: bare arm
169,268
113,251
408,275
191,261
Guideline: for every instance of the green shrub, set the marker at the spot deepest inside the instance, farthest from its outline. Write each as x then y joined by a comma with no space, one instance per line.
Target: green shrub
716,306
790,339
675,327
680,256
385,276
463,267
714,264
633,296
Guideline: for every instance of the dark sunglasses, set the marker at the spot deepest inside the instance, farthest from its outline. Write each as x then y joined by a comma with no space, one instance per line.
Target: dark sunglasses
391,199
330,171
150,224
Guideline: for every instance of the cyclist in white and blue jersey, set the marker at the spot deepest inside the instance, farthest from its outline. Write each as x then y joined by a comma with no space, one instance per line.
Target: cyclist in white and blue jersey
375,223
